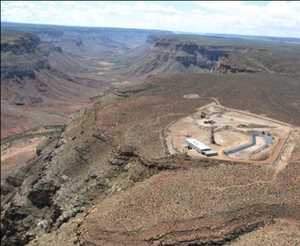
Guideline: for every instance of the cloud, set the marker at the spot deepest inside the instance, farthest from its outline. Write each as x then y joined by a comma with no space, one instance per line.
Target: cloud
253,18
273,18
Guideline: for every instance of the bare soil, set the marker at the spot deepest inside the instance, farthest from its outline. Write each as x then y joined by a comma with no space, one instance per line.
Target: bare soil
231,128
17,155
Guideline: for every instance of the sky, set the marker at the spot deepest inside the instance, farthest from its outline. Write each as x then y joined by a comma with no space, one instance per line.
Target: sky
266,18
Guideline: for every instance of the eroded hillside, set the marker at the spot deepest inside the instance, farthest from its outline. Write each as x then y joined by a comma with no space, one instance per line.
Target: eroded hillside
53,71
90,42
35,76
29,71
185,54
108,180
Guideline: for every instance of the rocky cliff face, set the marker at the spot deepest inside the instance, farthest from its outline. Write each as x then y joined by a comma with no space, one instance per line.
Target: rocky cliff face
22,55
41,197
172,54
33,71
189,53
19,43
88,42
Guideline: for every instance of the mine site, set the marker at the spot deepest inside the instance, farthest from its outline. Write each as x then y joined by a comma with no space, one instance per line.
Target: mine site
222,133
150,123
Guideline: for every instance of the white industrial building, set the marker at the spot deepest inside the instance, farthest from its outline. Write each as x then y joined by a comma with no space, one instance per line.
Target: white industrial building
200,147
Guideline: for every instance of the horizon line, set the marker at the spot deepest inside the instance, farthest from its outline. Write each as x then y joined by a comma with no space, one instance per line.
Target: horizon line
162,30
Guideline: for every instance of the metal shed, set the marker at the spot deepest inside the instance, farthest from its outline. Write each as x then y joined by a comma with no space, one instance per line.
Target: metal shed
210,152
197,145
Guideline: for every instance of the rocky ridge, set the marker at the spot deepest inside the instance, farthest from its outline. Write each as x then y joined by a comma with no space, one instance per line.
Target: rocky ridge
173,54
